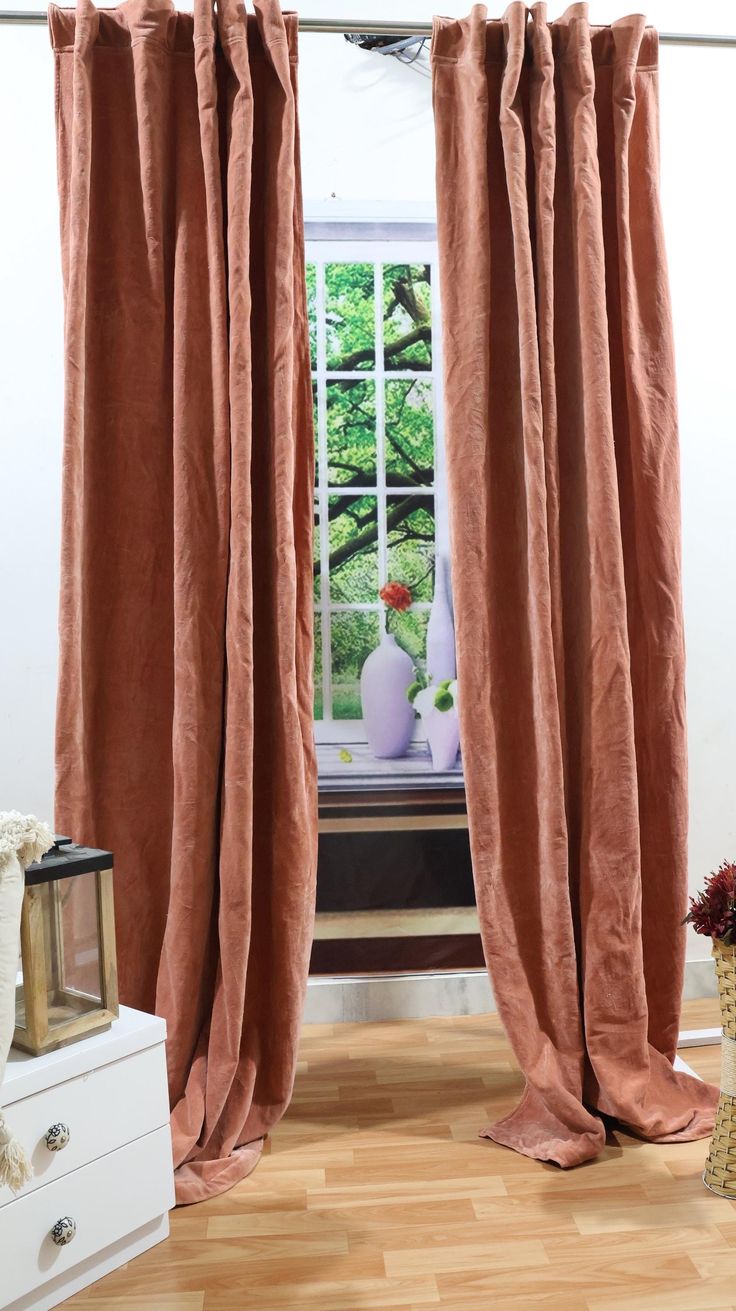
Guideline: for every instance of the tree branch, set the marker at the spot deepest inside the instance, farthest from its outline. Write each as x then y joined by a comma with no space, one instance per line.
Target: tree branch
406,296
369,535
368,355
394,423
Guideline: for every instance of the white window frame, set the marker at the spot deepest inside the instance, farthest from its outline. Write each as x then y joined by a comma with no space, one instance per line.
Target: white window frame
378,244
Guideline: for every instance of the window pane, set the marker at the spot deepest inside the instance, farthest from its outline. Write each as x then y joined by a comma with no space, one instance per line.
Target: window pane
409,433
410,525
407,316
410,631
315,419
350,319
351,433
354,636
316,556
353,536
318,698
312,311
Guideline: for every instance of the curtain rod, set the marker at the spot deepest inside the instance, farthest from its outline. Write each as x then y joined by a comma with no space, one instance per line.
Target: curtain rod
375,27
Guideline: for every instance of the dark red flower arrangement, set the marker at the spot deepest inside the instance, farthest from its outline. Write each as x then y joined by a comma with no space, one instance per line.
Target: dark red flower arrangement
713,911
396,596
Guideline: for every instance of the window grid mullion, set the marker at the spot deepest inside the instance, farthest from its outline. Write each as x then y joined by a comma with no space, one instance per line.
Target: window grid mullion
324,527
441,529
343,606
380,438
338,489
361,375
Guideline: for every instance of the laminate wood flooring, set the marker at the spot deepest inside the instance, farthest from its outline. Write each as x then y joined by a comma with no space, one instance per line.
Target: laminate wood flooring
376,1193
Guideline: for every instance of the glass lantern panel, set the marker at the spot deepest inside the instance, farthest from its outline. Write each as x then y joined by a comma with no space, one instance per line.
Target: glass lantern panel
74,980
20,997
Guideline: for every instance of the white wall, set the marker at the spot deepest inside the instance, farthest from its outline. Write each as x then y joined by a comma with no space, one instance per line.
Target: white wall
30,420
368,150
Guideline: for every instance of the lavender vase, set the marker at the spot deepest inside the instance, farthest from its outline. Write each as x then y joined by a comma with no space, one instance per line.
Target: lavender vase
443,735
387,714
440,629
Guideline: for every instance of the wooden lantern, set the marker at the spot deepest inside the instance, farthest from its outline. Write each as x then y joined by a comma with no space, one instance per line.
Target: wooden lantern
69,983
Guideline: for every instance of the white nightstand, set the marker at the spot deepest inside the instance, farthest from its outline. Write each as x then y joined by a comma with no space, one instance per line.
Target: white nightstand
114,1175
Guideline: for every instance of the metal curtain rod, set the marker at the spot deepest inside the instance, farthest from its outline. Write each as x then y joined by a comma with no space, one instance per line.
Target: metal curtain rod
376,27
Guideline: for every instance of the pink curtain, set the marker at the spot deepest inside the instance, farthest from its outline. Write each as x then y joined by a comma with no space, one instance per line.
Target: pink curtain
563,470
184,738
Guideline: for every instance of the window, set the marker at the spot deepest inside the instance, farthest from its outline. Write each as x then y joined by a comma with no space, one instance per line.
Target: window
380,510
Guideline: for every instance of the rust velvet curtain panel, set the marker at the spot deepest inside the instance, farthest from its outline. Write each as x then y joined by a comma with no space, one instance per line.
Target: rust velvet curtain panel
184,736
562,459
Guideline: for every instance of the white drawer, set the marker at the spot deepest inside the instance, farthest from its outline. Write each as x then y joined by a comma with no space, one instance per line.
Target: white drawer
104,1109
107,1200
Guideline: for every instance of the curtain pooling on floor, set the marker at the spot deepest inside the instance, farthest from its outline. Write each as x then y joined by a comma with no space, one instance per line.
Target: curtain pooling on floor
562,458
184,731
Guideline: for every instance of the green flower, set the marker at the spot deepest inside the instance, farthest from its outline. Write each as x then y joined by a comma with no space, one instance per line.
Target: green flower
443,699
419,684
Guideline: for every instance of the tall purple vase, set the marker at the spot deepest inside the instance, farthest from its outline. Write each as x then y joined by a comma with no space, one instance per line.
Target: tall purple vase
440,629
387,714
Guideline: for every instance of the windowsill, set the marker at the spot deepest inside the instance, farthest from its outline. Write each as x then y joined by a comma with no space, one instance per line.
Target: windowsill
364,771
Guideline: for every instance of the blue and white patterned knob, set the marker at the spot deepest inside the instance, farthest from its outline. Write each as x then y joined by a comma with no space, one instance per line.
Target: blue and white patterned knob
57,1136
63,1231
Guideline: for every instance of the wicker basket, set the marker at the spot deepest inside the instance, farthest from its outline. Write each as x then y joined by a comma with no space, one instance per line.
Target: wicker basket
720,1167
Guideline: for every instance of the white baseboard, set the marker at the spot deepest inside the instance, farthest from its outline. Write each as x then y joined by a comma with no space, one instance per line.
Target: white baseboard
397,997
419,996
699,1037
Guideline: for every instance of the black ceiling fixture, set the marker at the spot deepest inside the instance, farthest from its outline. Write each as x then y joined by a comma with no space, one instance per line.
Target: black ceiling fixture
406,49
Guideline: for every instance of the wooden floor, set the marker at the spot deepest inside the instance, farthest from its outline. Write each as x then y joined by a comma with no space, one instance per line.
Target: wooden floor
376,1192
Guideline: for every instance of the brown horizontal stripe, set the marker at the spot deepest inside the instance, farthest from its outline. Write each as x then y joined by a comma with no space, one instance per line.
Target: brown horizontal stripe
422,801
396,955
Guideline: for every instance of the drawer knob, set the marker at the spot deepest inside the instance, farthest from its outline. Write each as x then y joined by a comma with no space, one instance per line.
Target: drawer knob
63,1231
57,1136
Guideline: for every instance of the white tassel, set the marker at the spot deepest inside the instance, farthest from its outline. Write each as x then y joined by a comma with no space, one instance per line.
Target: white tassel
23,839
15,1168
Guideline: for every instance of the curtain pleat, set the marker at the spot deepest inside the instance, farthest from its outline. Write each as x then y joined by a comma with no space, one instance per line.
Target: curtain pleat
564,499
184,734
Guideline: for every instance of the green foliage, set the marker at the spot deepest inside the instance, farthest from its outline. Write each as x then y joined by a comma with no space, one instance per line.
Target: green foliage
410,631
318,695
350,316
346,702
411,544
351,433
312,311
354,635
353,573
409,433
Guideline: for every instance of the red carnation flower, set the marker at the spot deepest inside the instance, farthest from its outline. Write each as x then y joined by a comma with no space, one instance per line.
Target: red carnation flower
396,595
713,911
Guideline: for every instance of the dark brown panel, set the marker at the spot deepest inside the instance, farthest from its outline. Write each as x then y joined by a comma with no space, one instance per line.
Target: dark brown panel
396,955
394,870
